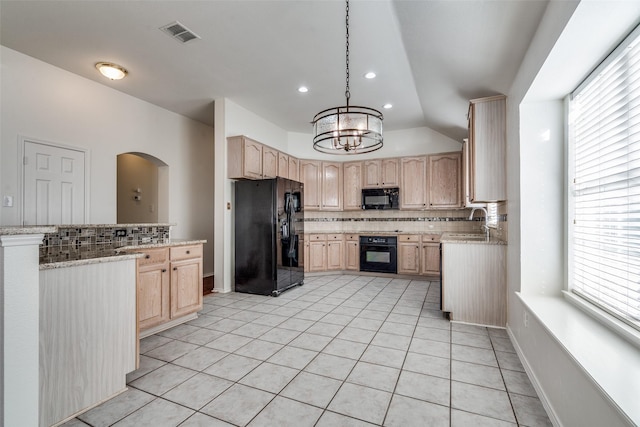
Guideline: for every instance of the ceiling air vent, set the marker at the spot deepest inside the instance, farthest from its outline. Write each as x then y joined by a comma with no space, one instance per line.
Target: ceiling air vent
179,32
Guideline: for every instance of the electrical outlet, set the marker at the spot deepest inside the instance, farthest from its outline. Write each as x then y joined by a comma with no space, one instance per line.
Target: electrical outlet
525,319
7,201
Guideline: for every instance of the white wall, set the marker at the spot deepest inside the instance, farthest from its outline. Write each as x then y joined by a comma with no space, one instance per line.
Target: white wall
399,143
44,102
567,44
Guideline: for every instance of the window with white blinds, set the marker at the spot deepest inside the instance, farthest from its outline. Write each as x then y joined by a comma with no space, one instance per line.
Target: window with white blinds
604,174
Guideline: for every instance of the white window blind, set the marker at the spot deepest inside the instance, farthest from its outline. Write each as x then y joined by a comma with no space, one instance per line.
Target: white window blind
605,194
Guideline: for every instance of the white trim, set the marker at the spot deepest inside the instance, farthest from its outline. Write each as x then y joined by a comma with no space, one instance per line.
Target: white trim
612,56
553,417
22,140
21,240
567,326
616,326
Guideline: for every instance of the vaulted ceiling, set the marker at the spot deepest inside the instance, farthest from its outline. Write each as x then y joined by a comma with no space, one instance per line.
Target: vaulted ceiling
430,56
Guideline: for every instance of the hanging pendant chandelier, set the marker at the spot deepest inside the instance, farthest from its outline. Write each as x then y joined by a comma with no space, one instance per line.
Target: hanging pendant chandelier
348,129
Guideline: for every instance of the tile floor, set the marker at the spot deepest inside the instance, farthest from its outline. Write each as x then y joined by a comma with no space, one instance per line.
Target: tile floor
342,350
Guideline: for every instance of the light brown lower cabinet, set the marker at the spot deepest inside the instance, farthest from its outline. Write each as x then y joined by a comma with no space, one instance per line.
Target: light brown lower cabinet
352,252
316,248
335,252
169,284
153,288
419,254
430,255
409,254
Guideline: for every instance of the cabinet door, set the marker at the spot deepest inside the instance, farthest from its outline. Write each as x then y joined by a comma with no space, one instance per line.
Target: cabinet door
430,262
331,186
372,173
269,162
414,172
445,184
153,295
352,255
408,257
186,287
310,174
335,252
317,256
390,172
294,173
283,165
352,186
252,159
487,149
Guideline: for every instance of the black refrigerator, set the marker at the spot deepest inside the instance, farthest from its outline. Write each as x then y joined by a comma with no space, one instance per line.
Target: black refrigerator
269,225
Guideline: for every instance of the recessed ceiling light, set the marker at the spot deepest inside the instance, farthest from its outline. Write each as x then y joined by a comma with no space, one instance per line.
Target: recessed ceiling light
303,89
370,75
387,106
111,71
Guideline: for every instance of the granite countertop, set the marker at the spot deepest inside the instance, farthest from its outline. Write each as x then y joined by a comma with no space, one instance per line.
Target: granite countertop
172,242
470,238
97,258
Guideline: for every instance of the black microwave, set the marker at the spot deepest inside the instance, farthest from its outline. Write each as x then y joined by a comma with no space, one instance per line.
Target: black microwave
380,198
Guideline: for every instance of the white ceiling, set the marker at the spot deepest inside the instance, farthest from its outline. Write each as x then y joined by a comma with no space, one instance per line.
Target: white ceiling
431,56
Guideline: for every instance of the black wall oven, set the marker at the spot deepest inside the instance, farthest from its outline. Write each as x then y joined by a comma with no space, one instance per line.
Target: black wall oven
379,254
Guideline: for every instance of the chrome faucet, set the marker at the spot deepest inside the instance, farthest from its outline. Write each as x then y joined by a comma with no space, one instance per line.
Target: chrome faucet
485,226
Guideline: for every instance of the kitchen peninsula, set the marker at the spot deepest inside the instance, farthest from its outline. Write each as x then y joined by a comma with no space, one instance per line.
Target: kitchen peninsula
83,283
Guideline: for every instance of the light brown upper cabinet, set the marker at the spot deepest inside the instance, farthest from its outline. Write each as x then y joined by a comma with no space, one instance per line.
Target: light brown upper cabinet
322,185
283,165
294,172
244,158
445,176
487,149
381,173
269,162
352,186
331,186
310,173
413,176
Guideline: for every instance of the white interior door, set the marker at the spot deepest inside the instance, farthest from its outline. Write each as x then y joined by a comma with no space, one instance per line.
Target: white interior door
54,185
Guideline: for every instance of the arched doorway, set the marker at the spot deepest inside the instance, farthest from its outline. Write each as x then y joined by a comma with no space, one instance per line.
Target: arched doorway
142,189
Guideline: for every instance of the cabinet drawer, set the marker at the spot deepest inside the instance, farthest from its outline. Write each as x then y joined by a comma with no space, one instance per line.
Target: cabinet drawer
351,237
317,237
185,252
154,256
408,238
431,238
334,237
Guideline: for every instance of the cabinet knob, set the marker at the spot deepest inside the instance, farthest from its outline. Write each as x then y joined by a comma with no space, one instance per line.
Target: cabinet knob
188,252
175,268
164,270
147,256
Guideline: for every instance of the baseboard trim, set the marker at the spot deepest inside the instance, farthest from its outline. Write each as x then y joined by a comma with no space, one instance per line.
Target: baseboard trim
553,417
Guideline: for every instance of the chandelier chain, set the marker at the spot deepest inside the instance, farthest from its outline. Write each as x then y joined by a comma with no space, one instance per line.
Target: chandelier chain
347,93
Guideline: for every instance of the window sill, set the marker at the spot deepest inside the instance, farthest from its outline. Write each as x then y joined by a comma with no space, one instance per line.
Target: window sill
609,360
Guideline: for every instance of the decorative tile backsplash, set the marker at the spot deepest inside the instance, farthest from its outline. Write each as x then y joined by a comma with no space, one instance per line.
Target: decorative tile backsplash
72,242
396,221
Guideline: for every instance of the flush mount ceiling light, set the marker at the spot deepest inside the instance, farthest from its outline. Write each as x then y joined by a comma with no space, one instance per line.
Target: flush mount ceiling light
111,71
347,129
370,75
